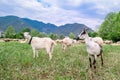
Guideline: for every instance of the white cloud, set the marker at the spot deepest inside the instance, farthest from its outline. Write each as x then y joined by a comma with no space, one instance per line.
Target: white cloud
57,12
106,6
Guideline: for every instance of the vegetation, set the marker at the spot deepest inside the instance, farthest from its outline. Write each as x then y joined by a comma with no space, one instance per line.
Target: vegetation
10,32
110,28
26,30
62,36
53,36
41,34
17,63
34,32
71,35
93,34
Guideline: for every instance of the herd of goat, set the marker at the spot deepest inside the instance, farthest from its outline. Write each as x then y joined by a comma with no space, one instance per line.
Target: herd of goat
93,45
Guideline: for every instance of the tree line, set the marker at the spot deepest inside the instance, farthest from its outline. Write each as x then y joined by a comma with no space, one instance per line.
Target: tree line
11,33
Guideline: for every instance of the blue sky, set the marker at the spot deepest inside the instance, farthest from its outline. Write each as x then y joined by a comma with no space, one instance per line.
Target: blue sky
60,12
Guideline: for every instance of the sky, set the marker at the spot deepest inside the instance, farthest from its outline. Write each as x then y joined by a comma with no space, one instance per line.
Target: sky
60,12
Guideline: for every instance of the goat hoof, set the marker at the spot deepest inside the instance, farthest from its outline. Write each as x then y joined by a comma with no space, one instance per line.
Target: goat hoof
94,67
90,66
102,64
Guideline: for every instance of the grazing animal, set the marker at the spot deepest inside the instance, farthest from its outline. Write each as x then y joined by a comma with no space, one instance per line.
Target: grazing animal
58,41
67,42
98,40
108,41
93,48
40,43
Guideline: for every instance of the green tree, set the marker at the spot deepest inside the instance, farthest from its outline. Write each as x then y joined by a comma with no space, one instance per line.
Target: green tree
42,34
19,35
71,35
93,34
34,32
110,28
53,36
25,30
62,36
10,32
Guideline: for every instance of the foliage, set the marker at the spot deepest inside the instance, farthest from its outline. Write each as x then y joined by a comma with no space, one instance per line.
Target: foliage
71,35
93,34
53,36
110,28
41,34
34,32
61,36
19,35
10,32
25,30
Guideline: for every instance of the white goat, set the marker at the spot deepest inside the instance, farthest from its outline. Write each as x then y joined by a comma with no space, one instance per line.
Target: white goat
93,48
58,41
40,43
108,41
98,40
67,42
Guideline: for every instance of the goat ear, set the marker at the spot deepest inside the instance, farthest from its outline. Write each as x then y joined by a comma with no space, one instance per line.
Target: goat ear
84,31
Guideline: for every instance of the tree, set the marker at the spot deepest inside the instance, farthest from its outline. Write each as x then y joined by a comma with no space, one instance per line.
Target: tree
41,34
25,30
106,27
93,34
53,36
10,32
71,35
110,28
34,32
62,36
19,35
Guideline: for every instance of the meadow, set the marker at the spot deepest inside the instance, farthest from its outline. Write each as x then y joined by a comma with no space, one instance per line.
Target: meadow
17,63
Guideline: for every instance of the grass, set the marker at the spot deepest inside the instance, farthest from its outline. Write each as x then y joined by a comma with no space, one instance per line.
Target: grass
17,63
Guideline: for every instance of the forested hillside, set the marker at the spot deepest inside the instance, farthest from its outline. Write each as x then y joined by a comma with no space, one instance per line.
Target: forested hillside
20,23
110,28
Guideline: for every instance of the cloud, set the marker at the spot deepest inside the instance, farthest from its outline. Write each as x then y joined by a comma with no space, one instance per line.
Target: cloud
59,12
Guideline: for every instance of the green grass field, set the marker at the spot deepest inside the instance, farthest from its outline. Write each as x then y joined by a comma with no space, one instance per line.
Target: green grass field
17,63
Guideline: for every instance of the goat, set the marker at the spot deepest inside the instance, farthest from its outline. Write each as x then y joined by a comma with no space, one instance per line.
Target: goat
40,43
58,41
108,41
93,48
98,40
67,42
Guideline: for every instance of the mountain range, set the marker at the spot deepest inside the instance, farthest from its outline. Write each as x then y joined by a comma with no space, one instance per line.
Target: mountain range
20,23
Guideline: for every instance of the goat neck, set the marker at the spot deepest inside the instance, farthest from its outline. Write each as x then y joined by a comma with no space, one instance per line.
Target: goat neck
29,38
87,38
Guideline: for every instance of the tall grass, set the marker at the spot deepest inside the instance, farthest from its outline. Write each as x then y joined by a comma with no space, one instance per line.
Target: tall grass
17,63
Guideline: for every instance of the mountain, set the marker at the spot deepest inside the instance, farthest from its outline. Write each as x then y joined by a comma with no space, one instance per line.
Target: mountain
40,26
14,21
20,23
75,28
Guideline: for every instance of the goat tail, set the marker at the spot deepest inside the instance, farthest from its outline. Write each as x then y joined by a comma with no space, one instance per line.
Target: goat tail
53,43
